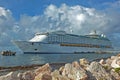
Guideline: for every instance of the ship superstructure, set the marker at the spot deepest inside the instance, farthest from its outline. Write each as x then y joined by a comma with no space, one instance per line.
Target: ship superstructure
62,42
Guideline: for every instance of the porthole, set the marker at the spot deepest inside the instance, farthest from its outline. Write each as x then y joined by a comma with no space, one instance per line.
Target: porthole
32,43
35,49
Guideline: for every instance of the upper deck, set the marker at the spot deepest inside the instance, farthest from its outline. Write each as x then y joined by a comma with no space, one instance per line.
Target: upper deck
63,37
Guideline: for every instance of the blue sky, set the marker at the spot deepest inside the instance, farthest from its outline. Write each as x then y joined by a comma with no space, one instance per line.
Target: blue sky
37,7
26,17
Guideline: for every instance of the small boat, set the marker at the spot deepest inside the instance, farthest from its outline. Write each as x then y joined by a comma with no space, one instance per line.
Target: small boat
8,53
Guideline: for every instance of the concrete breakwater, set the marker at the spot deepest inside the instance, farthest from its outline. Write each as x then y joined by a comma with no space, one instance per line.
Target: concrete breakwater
104,69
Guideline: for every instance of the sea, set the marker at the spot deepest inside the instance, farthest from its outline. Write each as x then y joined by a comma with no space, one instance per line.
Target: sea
21,59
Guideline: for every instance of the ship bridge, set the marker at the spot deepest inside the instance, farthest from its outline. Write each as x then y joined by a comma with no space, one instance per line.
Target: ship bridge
39,38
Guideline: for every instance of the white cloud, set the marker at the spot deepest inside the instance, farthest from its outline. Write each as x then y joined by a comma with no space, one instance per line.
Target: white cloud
6,24
4,12
80,19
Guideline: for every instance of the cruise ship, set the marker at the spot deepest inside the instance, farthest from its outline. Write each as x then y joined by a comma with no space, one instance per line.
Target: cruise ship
62,42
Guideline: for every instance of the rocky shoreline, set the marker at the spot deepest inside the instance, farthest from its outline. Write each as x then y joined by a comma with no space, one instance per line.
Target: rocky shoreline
104,69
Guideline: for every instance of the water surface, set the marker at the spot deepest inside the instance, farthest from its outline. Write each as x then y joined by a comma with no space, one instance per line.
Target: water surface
29,59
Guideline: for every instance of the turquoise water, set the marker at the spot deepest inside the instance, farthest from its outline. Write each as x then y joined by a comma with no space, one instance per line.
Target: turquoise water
29,59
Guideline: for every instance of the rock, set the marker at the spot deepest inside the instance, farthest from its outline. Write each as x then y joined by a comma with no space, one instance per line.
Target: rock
28,75
61,69
56,76
116,63
75,64
98,72
43,73
84,62
44,76
102,62
44,69
109,61
74,73
113,57
10,76
118,55
20,76
115,75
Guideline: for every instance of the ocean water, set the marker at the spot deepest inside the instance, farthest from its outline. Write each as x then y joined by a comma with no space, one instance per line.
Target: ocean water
29,59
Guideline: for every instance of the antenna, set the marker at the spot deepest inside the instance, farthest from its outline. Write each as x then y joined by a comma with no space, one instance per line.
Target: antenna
95,32
71,30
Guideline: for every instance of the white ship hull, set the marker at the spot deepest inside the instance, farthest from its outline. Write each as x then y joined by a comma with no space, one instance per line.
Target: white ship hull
45,48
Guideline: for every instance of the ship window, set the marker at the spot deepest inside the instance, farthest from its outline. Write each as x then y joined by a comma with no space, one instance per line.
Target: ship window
32,43
35,49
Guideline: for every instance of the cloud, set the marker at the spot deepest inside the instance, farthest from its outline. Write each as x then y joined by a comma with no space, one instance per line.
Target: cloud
79,19
113,12
6,24
6,19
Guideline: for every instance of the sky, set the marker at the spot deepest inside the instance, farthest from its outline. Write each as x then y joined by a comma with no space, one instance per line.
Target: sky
21,19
